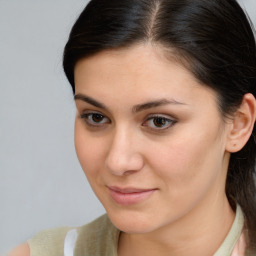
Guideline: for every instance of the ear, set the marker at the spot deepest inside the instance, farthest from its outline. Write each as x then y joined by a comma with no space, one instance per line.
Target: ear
242,124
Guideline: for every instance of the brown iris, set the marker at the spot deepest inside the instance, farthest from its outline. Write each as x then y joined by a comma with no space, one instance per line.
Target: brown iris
159,121
97,118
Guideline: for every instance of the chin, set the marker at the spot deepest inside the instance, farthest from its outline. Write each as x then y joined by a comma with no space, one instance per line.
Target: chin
132,222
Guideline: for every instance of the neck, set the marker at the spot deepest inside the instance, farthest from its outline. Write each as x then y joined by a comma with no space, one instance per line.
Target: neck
201,232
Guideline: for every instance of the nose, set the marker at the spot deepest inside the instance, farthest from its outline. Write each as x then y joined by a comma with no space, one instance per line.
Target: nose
123,156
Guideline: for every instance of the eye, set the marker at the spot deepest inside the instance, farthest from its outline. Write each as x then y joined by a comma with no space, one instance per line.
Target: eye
158,122
95,119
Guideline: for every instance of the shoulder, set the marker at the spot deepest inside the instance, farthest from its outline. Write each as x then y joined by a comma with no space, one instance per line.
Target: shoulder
22,250
97,236
90,239
48,242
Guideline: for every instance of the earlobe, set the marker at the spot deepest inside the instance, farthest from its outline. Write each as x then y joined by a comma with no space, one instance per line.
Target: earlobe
242,124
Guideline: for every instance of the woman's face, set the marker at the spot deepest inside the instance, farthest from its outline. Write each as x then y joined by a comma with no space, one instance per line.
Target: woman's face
149,138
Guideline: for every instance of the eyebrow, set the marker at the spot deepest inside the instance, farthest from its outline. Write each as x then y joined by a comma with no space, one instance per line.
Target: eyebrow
154,104
90,101
136,108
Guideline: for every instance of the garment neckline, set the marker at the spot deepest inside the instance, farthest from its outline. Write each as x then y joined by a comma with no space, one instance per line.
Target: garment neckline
228,244
233,236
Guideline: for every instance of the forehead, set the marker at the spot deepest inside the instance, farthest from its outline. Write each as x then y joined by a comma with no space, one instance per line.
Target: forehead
142,70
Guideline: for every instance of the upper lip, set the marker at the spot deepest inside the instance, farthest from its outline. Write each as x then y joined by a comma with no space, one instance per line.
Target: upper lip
129,190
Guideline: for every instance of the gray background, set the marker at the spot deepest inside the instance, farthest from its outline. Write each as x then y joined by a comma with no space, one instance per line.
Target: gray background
41,182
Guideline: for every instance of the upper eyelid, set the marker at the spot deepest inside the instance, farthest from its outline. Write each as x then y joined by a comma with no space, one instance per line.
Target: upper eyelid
173,120
91,113
91,110
165,116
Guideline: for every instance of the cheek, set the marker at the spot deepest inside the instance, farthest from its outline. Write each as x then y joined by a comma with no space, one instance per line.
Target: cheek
89,150
189,165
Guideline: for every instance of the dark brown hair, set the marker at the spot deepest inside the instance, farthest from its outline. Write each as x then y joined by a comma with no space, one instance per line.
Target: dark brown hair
216,39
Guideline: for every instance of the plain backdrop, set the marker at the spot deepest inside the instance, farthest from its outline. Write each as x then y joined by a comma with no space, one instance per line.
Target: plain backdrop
41,182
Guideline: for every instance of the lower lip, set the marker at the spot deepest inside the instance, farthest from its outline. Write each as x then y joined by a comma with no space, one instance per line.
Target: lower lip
130,198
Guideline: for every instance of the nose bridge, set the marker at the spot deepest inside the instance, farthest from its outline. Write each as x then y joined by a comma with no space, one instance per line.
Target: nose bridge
123,155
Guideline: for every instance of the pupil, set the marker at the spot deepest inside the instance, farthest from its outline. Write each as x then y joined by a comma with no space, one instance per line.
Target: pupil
97,117
159,122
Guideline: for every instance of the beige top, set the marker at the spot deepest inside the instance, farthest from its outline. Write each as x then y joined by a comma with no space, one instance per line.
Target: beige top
100,238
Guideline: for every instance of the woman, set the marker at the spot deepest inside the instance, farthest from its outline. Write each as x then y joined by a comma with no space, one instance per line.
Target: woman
165,97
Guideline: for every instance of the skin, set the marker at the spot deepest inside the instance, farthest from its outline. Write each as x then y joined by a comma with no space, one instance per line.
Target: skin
182,154
186,162
22,250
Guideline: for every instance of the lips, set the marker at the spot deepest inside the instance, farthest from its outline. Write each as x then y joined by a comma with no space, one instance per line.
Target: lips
129,196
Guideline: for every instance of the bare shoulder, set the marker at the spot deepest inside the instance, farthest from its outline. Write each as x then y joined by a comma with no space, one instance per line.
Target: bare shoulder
22,250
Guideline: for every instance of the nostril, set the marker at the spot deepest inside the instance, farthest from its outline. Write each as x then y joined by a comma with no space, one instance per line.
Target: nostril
126,173
124,165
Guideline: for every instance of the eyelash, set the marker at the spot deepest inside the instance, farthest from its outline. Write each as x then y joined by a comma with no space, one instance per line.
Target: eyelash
88,120
88,116
170,122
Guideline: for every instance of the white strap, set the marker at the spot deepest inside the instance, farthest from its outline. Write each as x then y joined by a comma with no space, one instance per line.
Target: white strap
70,241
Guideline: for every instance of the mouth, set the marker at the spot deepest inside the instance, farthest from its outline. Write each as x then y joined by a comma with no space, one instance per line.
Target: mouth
129,196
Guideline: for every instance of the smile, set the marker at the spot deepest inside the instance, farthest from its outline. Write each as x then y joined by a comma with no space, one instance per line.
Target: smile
129,196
